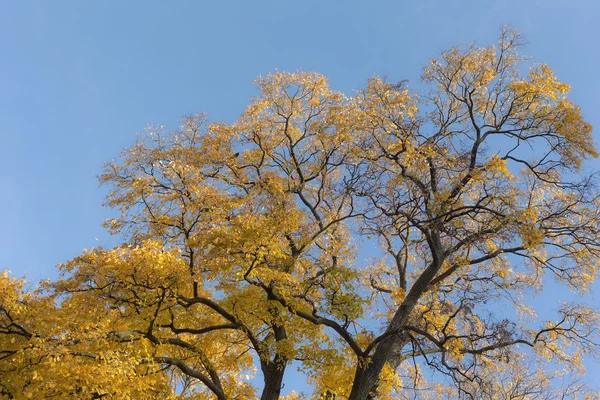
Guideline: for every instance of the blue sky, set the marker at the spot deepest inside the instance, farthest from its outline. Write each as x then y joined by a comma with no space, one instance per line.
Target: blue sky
78,79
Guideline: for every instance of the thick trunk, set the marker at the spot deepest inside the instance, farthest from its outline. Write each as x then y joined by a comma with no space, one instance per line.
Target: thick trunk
365,384
273,370
273,379
366,378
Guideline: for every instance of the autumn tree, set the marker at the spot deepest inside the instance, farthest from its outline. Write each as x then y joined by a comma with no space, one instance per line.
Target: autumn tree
384,241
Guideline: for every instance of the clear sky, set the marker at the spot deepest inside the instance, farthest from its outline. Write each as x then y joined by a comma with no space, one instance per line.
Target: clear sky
78,79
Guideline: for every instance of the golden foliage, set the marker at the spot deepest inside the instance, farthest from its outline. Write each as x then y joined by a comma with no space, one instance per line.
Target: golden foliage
244,247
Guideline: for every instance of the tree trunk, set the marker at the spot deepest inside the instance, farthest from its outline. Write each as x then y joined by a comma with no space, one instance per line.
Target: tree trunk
366,378
273,379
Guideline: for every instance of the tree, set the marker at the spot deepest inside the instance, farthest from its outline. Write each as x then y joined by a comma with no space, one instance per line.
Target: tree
244,246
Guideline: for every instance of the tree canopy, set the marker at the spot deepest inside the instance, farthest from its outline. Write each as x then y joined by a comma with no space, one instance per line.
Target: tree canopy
384,242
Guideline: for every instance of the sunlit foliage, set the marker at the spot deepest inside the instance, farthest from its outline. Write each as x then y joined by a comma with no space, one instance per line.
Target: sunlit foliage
384,241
